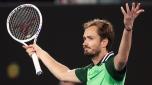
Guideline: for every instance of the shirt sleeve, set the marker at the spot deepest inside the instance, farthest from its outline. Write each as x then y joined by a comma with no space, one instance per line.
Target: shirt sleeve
81,74
117,75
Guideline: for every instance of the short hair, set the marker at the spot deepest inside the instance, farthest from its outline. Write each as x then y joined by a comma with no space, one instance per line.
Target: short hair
104,29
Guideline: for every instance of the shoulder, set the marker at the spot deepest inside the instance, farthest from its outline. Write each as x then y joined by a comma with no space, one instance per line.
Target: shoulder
109,64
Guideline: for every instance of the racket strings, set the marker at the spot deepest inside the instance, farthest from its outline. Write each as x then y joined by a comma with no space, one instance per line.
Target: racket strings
24,23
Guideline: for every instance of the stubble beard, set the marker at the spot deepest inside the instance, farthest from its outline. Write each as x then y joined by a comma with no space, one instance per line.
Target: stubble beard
91,54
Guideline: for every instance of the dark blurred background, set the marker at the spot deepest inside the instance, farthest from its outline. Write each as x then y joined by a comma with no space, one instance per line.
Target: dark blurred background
61,36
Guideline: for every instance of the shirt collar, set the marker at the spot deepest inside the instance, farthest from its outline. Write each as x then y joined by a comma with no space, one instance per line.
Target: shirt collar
106,57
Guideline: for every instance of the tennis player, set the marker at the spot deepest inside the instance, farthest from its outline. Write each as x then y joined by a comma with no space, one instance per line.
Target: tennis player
106,68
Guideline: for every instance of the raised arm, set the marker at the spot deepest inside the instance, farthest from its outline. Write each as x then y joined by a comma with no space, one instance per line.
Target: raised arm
59,70
130,14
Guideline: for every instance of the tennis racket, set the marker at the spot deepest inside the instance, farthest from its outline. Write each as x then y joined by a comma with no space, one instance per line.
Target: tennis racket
24,25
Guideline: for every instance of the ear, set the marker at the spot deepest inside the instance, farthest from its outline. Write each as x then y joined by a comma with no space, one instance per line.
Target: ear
104,43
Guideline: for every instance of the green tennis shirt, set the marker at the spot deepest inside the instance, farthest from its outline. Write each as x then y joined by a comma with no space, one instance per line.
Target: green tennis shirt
104,73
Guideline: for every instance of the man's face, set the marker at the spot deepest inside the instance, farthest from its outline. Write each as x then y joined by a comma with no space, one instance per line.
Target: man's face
92,41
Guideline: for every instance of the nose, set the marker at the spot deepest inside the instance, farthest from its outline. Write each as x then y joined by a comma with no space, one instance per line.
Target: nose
84,43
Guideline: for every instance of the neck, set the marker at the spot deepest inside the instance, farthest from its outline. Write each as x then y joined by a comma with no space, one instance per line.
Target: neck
96,59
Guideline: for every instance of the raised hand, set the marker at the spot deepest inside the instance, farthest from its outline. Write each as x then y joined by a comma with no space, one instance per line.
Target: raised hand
130,14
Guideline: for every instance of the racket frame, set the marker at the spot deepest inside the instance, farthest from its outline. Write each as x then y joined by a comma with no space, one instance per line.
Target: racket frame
34,56
40,25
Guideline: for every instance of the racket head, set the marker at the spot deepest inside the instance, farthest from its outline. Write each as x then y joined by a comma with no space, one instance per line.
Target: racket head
24,25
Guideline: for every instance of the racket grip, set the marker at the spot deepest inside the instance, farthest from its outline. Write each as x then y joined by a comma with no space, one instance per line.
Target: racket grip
36,64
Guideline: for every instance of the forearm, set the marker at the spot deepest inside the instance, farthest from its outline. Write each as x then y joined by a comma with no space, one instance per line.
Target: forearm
56,68
124,49
125,44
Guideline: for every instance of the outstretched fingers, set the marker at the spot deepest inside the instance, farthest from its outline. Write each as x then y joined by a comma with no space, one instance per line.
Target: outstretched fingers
137,7
133,6
134,11
128,11
127,8
123,11
139,12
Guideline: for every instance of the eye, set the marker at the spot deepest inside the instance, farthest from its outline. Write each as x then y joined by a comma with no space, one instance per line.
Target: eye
91,38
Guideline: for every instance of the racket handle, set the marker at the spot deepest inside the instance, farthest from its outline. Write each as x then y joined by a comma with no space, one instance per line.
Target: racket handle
36,64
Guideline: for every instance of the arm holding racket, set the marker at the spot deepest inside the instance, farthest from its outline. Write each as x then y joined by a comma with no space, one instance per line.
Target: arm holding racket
23,25
59,70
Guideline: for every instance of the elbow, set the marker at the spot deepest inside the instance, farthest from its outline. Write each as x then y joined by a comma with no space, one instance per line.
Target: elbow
120,62
63,76
121,65
61,79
